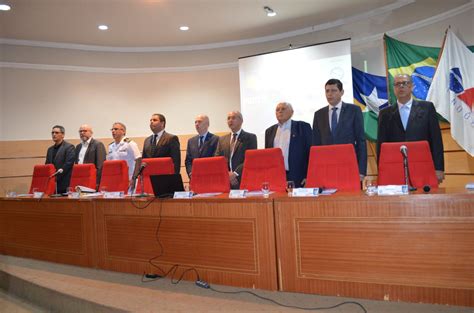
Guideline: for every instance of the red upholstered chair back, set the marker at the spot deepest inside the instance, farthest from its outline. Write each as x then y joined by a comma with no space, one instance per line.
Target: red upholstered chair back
210,175
41,180
154,166
114,176
264,165
333,166
420,164
83,175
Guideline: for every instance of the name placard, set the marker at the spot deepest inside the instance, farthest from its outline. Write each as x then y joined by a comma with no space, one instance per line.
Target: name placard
113,194
182,195
392,190
236,194
305,192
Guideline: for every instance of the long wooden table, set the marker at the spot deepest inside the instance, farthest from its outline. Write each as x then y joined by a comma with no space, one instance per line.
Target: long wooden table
417,248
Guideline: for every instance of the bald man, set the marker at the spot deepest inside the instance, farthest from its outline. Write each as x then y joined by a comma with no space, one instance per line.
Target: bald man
90,150
203,145
233,146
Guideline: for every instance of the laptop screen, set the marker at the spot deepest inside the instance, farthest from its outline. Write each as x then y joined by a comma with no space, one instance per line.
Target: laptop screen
164,186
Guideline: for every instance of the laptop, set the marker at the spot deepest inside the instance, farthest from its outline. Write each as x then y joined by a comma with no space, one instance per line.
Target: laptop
164,186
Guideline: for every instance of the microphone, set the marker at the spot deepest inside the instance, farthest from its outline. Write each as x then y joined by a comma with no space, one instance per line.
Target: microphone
404,151
142,167
57,173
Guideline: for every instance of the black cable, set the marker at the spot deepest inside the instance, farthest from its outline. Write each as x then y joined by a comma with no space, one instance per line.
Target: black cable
135,202
291,306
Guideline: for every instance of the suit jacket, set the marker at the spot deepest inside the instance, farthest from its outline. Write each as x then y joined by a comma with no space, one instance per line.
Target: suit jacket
193,151
245,141
167,146
422,125
64,159
350,129
298,154
95,154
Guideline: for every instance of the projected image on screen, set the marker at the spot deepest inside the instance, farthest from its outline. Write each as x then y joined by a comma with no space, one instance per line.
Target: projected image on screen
296,76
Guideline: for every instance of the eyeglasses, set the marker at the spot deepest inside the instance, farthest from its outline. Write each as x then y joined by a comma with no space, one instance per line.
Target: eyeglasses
53,132
112,129
83,131
402,84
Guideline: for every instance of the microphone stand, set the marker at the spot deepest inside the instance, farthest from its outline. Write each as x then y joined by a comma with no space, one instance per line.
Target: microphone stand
407,174
56,189
142,194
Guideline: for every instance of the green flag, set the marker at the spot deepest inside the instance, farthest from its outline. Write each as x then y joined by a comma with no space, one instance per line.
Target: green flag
417,61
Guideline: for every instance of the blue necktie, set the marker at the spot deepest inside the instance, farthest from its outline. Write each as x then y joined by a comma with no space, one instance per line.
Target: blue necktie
334,121
404,114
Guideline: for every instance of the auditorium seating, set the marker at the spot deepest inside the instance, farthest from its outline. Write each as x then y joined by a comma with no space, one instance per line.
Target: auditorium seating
333,166
265,165
114,176
420,164
41,180
154,166
210,175
83,175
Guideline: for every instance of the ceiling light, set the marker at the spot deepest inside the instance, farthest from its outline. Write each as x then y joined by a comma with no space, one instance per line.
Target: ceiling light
184,28
269,11
103,27
4,7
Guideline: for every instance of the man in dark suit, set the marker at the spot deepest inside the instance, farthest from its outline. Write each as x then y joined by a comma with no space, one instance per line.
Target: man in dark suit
294,139
61,155
201,146
340,123
162,144
233,146
411,120
90,150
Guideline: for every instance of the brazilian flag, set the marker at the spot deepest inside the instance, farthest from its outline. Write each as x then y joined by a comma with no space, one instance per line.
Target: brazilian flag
417,61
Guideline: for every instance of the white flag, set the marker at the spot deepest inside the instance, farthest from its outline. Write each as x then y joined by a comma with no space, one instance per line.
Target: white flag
452,90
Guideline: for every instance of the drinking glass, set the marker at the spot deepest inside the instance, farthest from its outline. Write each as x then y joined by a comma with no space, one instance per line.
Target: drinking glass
290,185
266,189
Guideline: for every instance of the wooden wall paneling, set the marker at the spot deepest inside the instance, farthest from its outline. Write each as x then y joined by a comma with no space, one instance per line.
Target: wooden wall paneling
415,248
57,230
458,163
227,242
17,184
19,167
453,180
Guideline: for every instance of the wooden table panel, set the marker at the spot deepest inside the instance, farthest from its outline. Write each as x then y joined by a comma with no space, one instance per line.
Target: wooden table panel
412,248
55,230
229,242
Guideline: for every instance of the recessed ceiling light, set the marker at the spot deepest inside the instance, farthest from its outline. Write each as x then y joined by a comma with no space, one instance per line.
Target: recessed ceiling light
184,28
269,11
103,27
4,7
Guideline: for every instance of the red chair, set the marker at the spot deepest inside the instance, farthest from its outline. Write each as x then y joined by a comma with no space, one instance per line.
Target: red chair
83,175
41,179
154,166
114,176
420,164
210,175
264,165
333,166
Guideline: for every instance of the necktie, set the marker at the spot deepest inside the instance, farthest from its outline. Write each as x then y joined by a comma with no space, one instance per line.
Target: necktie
153,145
232,142
153,140
201,141
334,121
404,113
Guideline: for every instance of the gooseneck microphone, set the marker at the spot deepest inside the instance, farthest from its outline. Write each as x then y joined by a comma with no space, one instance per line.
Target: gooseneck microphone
140,173
59,171
404,151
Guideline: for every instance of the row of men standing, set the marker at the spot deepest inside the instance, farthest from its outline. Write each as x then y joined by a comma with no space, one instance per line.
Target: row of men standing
337,123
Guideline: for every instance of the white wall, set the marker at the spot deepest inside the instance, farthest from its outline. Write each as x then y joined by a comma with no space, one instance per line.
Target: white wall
34,98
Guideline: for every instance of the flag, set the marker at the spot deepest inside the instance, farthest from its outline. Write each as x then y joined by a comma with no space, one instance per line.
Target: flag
452,90
370,93
417,61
